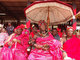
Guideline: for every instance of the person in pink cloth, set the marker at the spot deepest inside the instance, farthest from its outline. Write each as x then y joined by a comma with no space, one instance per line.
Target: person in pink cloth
46,47
14,48
70,45
3,37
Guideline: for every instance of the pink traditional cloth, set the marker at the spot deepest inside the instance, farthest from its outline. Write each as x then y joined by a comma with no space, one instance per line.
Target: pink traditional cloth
25,38
3,37
6,54
16,52
71,47
54,53
18,49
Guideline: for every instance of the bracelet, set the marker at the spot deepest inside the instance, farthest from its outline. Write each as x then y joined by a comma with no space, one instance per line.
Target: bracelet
63,51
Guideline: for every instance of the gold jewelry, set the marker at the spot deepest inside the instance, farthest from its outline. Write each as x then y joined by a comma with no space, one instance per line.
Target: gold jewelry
43,35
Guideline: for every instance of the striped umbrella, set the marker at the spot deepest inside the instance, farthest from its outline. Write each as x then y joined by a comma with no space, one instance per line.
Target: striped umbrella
53,12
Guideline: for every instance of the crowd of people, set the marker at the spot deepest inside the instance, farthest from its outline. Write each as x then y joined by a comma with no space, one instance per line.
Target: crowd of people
38,43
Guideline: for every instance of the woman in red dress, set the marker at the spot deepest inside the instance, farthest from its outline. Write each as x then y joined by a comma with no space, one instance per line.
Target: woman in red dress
71,45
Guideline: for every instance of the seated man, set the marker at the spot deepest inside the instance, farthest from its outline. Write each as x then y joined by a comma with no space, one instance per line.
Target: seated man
55,34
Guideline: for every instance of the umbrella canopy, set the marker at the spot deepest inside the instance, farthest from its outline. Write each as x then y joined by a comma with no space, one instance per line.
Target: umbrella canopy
56,12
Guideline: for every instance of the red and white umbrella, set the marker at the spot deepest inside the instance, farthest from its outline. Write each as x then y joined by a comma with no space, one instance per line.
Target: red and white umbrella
53,12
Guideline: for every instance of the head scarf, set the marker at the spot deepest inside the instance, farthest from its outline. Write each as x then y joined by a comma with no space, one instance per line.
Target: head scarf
21,26
70,28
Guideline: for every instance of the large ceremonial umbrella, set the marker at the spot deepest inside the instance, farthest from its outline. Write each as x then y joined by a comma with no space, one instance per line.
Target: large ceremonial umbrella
53,12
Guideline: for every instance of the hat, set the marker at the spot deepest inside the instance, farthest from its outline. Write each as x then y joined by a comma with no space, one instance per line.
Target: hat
69,27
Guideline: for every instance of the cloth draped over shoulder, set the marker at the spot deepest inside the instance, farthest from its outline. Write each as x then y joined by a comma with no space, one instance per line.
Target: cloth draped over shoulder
54,53
72,48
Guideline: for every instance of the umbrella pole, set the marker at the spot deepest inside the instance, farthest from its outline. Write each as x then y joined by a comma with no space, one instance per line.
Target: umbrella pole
48,19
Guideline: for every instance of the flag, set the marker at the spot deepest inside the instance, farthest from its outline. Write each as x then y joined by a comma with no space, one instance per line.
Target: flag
74,20
28,24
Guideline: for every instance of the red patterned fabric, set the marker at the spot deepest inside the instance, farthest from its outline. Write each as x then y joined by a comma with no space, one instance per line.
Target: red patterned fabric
71,46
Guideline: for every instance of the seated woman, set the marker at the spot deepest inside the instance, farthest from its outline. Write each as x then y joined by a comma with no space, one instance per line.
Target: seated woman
46,47
14,49
71,44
